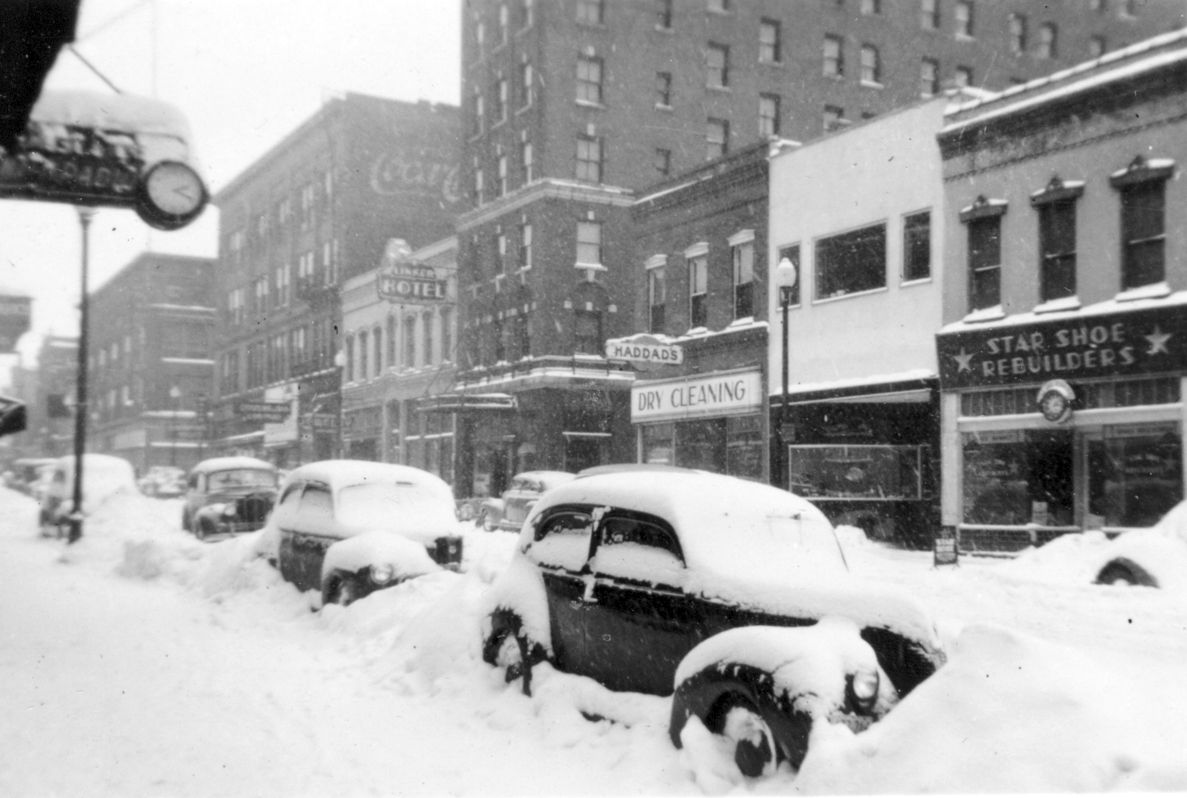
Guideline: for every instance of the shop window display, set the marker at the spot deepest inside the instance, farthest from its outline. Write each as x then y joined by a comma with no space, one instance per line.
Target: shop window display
1019,477
1135,474
857,472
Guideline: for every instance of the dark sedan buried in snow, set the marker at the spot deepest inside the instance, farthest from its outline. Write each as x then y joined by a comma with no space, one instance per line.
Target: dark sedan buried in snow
227,496
732,594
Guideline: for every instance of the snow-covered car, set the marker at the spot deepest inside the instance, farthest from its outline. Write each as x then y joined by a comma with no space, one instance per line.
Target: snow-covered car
714,590
509,510
102,477
164,482
1153,557
351,527
228,495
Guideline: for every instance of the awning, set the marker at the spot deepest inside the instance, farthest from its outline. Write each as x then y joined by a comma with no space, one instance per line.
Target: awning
905,387
467,403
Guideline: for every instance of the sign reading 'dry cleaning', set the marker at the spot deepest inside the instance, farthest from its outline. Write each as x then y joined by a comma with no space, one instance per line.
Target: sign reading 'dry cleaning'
719,394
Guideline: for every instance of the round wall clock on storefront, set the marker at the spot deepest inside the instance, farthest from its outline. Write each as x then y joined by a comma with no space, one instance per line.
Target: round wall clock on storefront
171,195
1055,401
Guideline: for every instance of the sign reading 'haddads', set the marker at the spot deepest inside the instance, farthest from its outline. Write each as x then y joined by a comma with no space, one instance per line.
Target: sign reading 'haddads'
1117,344
719,394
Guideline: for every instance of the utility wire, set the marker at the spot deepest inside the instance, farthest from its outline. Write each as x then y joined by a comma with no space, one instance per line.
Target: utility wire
93,68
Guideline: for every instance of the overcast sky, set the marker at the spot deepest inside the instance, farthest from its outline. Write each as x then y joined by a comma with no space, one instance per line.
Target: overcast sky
245,73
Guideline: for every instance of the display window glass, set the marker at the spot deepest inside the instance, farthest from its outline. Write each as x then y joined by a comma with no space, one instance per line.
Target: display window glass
1019,477
1135,474
857,472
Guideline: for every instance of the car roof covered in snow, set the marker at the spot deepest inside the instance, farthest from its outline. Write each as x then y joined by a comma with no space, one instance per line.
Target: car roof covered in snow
548,479
228,463
343,473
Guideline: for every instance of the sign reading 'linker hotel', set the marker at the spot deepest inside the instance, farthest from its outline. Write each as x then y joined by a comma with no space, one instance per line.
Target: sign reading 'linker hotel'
1147,341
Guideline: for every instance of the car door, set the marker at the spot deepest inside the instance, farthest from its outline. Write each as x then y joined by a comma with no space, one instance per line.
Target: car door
560,551
638,621
307,531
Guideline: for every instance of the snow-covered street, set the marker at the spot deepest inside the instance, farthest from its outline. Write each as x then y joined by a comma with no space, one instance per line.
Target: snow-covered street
141,662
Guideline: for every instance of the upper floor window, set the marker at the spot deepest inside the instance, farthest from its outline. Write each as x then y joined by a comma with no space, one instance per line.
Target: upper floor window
591,12
587,332
526,78
363,371
698,290
1142,186
504,23
983,220
1097,46
589,243
525,161
851,262
743,262
962,13
1017,34
527,13
768,115
963,76
663,89
834,62
917,246
870,69
834,118
427,337
929,14
719,6
1057,249
377,346
717,134
501,173
1048,40
663,161
929,77
717,62
870,7
409,333
589,158
478,104
502,90
589,79
525,246
657,295
663,14
770,41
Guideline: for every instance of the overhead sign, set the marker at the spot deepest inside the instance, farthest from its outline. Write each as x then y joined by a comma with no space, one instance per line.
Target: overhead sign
404,280
645,349
730,393
15,315
1146,341
263,411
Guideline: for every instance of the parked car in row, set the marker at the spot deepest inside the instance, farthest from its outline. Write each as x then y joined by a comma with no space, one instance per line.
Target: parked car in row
509,510
1151,557
163,482
227,496
349,527
714,590
103,476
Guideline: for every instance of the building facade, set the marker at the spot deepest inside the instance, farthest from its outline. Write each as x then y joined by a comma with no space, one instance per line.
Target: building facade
399,323
1064,357
314,211
150,372
857,214
637,93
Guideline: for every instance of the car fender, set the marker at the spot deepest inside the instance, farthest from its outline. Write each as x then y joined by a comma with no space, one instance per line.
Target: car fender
519,592
377,547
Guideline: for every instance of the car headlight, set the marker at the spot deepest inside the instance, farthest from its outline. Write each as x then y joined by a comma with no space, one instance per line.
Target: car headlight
863,687
382,573
229,510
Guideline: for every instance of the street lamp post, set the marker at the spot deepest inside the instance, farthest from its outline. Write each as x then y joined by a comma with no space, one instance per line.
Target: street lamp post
80,407
175,395
785,278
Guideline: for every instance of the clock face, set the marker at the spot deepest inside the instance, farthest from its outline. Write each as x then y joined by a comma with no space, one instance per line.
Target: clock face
1053,406
174,189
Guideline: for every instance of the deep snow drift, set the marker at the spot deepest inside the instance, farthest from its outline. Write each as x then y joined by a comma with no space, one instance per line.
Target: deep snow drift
141,662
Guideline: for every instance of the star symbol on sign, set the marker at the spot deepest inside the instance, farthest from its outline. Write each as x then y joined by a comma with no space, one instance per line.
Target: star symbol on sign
962,360
1157,341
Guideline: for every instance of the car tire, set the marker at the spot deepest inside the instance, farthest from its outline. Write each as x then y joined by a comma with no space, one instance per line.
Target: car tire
342,590
1125,572
204,529
485,522
185,521
509,648
743,726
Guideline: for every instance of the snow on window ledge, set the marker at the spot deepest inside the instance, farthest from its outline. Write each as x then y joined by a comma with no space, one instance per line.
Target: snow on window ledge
1151,291
1064,303
986,314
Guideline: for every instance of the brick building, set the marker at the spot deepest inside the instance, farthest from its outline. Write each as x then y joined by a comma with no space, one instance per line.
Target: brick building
1063,360
150,370
637,93
314,211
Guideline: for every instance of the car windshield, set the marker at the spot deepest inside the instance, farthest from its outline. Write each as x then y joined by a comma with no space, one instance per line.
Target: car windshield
242,478
400,502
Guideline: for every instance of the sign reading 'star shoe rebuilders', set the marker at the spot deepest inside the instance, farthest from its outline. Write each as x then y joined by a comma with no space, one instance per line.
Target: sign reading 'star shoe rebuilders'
725,394
1146,341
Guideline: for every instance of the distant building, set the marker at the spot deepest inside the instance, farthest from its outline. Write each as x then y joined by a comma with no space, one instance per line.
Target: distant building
311,213
150,370
48,391
1063,360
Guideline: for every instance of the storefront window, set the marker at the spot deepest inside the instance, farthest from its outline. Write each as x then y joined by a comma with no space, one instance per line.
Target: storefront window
731,445
701,444
856,472
1135,474
743,447
1018,477
658,441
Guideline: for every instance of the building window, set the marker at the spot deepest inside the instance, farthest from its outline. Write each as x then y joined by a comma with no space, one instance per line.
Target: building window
768,115
717,65
1048,44
527,13
1142,186
870,70
834,118
587,332
589,159
962,12
478,188
1057,249
1097,46
657,298
409,341
427,333
504,23
663,89
589,243
834,61
663,14
929,14
501,164
525,246
363,372
792,255
663,161
983,219
917,246
501,249
851,262
770,41
590,12
501,94
282,284
1017,34
743,257
963,76
525,161
377,343
717,134
479,113
871,7
589,80
526,81
446,335
391,341
698,290
929,78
